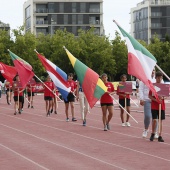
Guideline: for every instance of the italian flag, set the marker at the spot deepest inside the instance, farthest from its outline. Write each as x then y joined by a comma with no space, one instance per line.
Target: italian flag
140,61
92,85
23,68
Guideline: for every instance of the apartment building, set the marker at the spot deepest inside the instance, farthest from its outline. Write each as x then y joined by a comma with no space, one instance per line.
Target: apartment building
46,16
150,17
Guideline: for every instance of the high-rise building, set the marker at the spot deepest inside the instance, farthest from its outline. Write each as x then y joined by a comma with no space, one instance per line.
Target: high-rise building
4,26
150,17
46,16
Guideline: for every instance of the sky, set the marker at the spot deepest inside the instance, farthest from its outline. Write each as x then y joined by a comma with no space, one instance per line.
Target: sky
11,12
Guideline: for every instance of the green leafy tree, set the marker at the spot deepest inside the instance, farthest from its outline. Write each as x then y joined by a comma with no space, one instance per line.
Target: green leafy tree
120,54
96,52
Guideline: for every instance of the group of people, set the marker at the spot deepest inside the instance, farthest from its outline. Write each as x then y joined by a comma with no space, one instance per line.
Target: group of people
15,89
147,99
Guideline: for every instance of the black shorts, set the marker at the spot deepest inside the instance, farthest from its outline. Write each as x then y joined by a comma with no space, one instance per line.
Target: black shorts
122,102
48,98
29,94
7,90
70,98
20,98
155,114
106,104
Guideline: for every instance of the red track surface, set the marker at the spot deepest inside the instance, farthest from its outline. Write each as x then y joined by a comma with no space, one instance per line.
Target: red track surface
33,141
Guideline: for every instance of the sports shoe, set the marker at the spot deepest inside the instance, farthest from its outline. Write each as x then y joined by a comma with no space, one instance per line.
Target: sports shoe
108,126
55,112
15,113
48,113
145,133
105,128
51,110
67,119
123,124
29,106
152,137
74,119
32,107
160,139
156,135
19,112
128,124
84,122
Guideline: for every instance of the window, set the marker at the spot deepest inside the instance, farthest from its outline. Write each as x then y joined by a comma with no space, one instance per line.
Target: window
41,30
73,19
61,7
27,12
51,8
65,19
80,19
41,8
53,19
82,7
28,23
74,7
94,8
74,30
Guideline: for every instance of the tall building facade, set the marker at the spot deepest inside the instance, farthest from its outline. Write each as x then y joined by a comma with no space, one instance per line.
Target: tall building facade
46,16
4,26
150,17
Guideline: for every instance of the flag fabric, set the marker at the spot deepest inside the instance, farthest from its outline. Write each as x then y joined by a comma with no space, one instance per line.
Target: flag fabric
58,76
140,61
8,72
92,85
23,68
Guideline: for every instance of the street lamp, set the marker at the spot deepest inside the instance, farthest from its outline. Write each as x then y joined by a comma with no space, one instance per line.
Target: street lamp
51,27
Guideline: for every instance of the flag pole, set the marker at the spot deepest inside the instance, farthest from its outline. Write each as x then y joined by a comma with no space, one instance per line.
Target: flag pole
47,87
125,110
163,72
134,102
159,120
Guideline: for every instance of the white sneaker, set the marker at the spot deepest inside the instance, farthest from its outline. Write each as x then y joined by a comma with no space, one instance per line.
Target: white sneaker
145,133
67,119
156,135
128,124
105,128
123,124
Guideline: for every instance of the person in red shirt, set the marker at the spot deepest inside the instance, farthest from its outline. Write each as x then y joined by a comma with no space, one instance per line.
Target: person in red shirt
54,101
8,87
70,97
107,102
18,94
30,92
155,109
122,97
48,94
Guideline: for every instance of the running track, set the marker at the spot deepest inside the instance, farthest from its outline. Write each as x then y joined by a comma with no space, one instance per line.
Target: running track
32,141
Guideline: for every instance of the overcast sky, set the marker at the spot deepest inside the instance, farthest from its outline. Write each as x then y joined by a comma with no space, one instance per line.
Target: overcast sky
11,12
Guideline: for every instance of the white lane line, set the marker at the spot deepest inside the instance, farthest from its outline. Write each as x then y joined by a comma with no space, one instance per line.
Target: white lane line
134,127
24,157
98,140
59,145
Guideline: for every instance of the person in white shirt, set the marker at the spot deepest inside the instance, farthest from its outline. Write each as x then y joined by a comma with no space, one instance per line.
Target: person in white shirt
146,102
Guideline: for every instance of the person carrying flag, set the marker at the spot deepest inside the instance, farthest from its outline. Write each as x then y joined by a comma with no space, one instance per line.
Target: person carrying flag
124,101
48,94
18,94
70,97
107,102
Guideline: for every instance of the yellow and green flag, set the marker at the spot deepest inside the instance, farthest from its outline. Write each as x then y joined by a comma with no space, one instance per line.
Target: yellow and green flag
92,85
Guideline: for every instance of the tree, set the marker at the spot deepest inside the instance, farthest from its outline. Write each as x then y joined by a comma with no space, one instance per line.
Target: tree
96,52
120,54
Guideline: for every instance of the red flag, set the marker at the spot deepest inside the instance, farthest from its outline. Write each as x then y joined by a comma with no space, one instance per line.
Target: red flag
8,72
23,68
